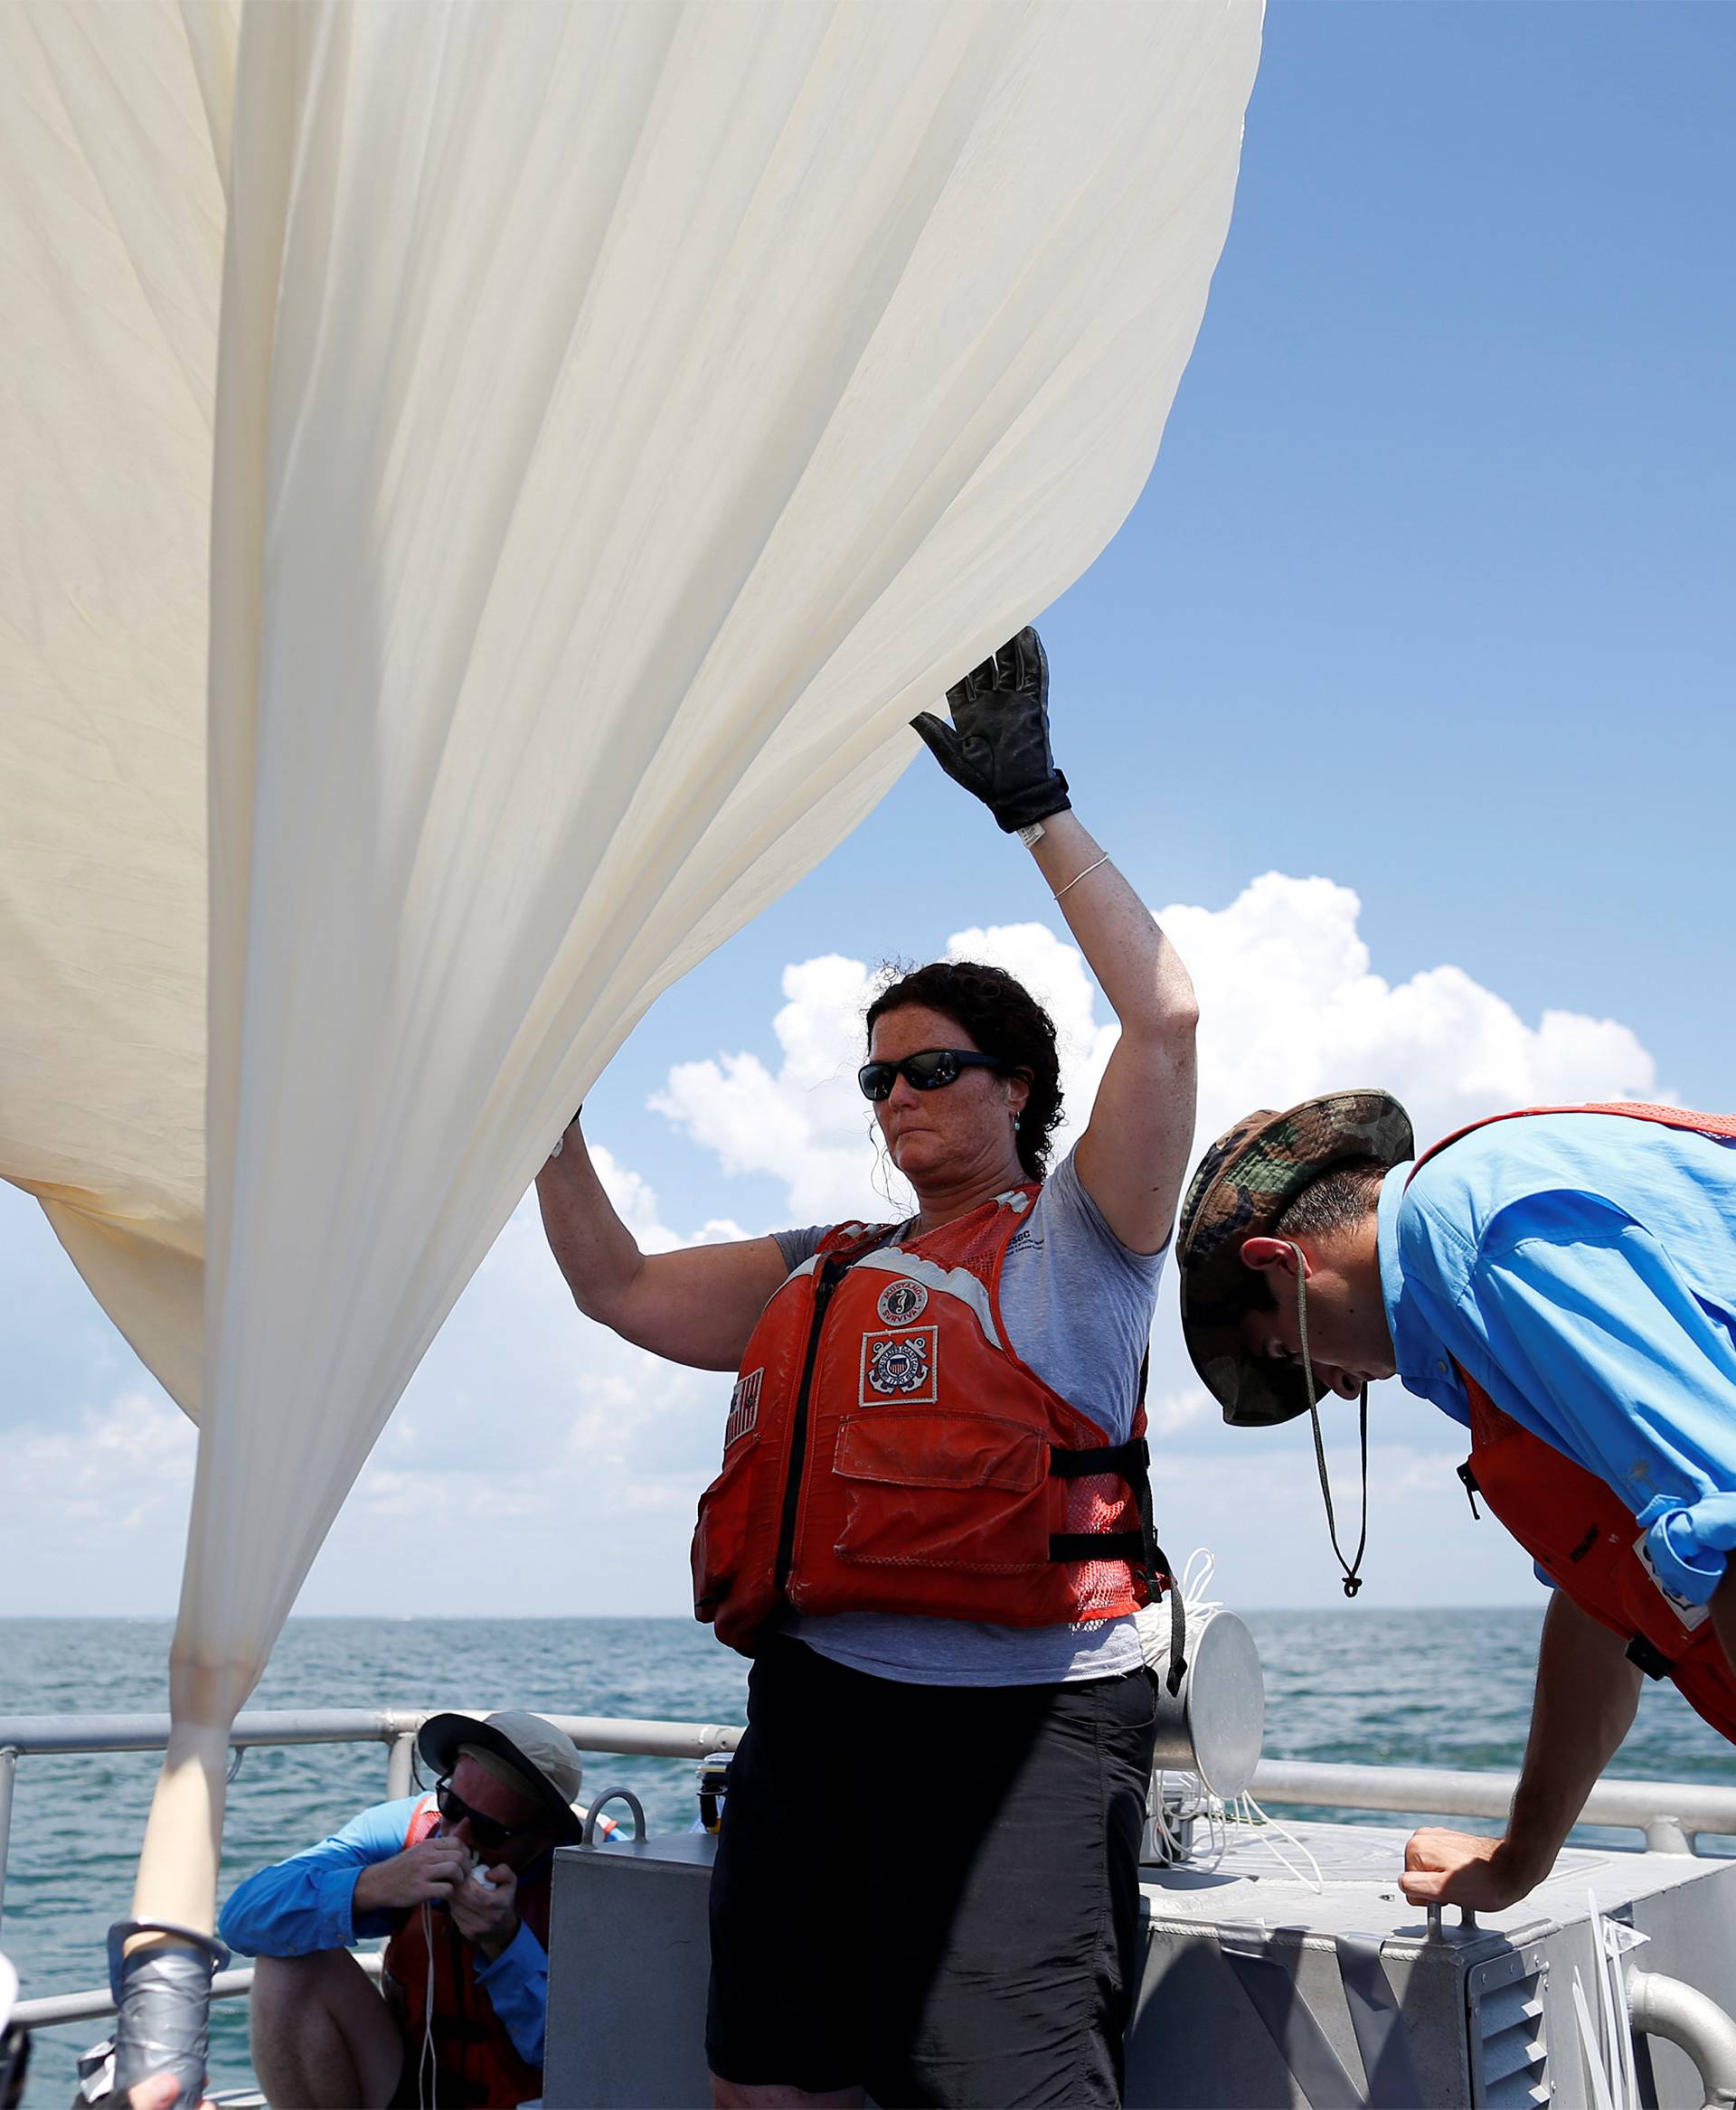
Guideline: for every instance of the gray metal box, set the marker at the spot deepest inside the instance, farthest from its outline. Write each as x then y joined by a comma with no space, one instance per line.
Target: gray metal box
1244,2000
1249,1980
630,1957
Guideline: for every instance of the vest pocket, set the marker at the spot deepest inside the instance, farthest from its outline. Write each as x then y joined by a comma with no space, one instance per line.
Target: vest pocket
719,1534
958,1492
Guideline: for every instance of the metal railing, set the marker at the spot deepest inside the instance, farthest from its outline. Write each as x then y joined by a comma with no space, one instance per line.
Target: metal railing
56,2007
1669,1815
65,1735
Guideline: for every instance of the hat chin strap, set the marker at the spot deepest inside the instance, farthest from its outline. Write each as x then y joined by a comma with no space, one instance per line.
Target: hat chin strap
1353,1580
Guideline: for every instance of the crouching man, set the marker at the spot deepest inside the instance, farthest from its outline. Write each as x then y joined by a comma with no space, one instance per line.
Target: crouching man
1563,1282
460,1881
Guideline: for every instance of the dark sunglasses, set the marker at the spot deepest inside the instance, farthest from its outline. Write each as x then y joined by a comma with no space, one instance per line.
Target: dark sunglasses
487,1831
924,1072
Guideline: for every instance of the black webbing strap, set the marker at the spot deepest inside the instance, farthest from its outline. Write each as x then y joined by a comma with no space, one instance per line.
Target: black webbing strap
1177,1616
1128,1546
1131,1461
1127,1461
1648,1657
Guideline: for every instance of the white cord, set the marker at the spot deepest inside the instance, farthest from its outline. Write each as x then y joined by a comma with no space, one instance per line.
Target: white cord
425,2064
1248,1812
1201,1565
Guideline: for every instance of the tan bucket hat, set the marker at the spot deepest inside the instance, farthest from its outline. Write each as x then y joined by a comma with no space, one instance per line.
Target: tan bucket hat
1244,1183
546,1757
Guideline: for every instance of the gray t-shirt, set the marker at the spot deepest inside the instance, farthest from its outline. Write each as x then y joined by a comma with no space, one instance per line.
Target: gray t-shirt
1077,1306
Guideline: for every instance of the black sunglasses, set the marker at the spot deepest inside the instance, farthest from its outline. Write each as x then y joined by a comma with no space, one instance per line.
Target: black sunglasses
487,1831
924,1072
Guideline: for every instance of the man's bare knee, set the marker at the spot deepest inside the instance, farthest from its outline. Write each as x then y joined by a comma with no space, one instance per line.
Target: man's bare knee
322,2034
332,1977
303,1970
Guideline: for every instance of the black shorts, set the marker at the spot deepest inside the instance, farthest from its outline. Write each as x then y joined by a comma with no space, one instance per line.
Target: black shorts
929,1891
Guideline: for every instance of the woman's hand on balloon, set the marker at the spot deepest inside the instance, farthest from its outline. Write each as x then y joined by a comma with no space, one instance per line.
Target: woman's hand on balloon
997,743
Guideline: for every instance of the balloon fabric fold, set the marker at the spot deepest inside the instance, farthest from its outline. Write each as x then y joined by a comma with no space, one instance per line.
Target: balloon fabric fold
489,485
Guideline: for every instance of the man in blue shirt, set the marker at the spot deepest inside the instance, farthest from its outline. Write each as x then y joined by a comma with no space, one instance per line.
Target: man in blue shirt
1563,1283
460,1881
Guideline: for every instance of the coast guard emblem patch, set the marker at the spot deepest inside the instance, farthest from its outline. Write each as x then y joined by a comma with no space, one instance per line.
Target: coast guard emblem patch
744,1408
899,1366
901,1302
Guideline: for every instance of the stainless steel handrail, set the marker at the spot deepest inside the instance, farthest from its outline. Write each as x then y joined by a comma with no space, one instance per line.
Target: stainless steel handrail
1671,1813
56,2007
62,1733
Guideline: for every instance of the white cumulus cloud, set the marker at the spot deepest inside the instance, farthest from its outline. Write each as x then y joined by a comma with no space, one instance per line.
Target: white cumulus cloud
804,1122
1289,1005
117,1480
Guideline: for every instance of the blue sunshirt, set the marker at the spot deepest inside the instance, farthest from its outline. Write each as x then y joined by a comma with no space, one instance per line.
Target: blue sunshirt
303,1905
1582,1269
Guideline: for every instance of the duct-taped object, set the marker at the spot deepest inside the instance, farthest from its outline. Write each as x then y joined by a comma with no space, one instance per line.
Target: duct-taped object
162,1989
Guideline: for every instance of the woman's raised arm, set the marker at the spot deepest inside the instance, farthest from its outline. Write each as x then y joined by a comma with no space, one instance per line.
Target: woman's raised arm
1134,1151
696,1306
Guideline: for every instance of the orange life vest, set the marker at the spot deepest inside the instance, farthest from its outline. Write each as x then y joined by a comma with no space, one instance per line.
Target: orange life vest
476,2065
1574,1525
887,1451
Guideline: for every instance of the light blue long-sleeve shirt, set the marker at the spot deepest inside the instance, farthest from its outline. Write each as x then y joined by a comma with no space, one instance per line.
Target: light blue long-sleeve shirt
305,1903
1583,1269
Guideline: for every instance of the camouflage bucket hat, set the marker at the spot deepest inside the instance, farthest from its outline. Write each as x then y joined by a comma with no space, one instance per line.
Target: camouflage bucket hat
1244,1183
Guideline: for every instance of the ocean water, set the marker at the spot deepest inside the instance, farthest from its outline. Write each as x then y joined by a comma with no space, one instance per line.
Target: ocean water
1403,1687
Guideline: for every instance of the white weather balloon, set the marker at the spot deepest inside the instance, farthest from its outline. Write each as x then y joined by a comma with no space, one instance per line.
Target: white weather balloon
613,422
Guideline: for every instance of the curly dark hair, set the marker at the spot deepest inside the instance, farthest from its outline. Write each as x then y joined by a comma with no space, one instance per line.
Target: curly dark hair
1003,1018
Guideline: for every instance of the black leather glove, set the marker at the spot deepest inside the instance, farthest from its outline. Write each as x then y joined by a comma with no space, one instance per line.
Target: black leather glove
997,745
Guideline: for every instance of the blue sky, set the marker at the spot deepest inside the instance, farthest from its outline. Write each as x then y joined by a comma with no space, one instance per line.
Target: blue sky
1428,599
